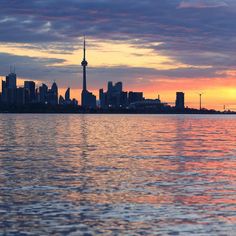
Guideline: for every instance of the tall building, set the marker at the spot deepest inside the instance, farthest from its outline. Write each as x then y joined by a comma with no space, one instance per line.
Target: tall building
102,98
61,100
109,86
9,89
135,97
4,92
20,93
43,92
52,98
67,95
65,101
179,103
30,95
88,100
114,97
11,80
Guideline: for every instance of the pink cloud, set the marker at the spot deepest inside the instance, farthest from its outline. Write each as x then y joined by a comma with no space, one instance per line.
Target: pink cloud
202,4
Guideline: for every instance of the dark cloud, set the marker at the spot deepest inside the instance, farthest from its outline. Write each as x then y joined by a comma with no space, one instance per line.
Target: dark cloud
202,4
194,32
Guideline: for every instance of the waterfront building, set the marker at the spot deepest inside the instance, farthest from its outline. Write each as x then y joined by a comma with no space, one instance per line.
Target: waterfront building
9,89
67,95
11,80
114,97
42,93
61,100
67,100
4,96
30,95
52,96
135,97
20,96
179,103
150,105
102,98
114,94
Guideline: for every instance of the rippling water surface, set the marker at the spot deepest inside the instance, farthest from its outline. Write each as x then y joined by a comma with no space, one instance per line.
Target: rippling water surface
117,174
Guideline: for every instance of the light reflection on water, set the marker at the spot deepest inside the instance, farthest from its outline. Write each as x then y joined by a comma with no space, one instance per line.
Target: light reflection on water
117,174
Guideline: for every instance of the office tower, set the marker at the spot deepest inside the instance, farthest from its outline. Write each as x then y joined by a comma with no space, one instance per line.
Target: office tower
20,95
118,87
109,87
43,93
179,103
114,97
53,95
10,93
135,97
88,100
30,95
4,92
123,99
114,89
74,102
102,98
67,95
11,81
61,100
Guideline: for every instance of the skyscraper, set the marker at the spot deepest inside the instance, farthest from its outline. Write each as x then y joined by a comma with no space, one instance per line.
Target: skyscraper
10,91
29,87
67,95
88,100
53,95
4,92
20,96
43,92
115,97
179,103
135,97
11,81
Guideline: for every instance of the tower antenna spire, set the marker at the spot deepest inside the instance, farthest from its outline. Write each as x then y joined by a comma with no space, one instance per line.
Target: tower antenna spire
84,48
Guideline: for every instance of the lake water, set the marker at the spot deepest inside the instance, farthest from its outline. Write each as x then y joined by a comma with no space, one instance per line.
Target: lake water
117,174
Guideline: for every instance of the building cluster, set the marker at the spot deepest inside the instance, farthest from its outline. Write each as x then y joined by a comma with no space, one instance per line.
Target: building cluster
29,94
113,98
116,98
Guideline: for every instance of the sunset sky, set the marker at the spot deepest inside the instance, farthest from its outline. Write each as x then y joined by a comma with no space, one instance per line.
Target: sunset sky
154,46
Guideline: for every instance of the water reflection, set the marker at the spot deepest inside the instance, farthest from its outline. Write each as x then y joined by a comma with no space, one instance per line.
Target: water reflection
117,174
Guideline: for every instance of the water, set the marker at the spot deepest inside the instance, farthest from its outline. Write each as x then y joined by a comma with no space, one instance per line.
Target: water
117,174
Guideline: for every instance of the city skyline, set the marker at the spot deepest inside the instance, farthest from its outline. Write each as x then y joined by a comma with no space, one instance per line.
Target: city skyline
31,98
191,51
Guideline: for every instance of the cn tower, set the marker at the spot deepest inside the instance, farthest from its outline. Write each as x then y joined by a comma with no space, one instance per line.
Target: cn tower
84,63
88,100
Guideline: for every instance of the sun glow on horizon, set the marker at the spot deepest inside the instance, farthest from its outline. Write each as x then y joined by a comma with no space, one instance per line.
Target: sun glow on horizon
107,54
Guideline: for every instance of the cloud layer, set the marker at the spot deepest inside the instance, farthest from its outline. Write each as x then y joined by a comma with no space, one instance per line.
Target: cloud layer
199,34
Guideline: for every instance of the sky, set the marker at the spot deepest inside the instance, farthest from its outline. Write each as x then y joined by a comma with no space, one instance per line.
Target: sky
154,46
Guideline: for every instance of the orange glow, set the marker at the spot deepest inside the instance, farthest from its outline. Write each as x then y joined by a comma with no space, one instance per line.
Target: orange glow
217,92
